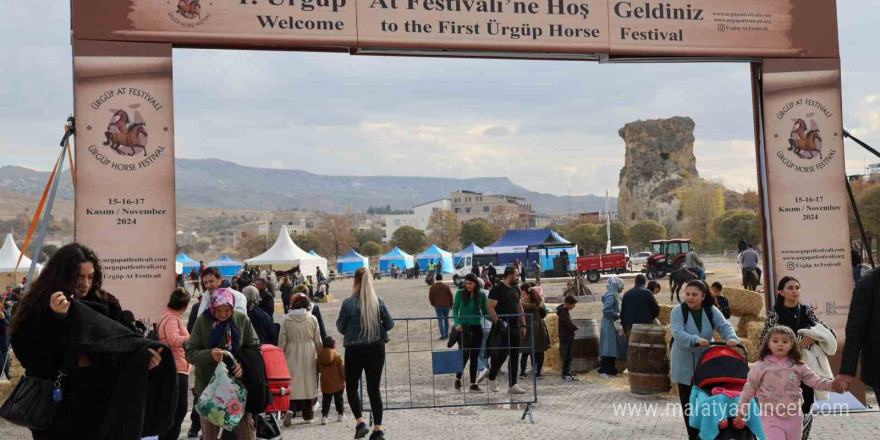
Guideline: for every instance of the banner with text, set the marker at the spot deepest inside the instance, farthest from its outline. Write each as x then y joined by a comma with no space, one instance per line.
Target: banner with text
125,200
735,28
807,199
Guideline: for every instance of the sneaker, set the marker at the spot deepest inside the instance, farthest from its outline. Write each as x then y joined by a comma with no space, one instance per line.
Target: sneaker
527,372
603,376
340,418
377,435
457,384
361,430
307,421
192,433
539,376
288,416
566,378
523,375
475,388
493,386
572,378
515,389
483,375
323,420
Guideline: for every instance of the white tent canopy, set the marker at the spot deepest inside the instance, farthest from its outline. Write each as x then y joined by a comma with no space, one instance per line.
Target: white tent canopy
285,254
9,257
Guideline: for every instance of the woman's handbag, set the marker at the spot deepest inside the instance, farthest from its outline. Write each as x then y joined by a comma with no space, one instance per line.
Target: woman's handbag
33,402
223,401
454,337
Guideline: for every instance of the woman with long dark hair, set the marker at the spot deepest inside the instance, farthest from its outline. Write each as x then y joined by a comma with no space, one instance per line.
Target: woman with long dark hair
364,322
693,324
789,311
58,334
468,308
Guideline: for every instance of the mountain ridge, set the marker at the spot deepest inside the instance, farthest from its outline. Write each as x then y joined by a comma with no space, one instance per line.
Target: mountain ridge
219,183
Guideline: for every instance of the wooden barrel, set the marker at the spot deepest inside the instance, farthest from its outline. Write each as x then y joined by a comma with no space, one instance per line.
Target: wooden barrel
646,359
586,346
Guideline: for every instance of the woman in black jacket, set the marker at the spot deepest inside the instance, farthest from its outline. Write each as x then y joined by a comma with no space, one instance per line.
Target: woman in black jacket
789,311
50,343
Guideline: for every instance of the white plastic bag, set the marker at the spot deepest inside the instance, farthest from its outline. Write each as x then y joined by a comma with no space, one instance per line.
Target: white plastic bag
223,401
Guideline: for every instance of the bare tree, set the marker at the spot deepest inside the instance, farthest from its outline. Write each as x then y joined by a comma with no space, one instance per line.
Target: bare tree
701,203
508,217
335,234
444,230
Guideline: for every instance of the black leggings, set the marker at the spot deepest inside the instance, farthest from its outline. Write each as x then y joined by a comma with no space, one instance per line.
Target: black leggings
537,362
684,396
370,360
807,408
472,340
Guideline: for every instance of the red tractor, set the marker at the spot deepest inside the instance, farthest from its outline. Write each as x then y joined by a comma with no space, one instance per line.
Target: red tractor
666,256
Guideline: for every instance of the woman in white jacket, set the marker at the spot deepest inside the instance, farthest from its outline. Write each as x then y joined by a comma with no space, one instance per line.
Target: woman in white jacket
300,339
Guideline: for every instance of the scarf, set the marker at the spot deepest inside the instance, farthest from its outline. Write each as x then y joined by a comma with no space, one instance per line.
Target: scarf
225,332
614,286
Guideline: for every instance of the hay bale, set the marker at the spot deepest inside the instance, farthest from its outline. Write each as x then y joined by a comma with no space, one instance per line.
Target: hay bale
742,329
552,360
752,348
754,330
665,311
744,302
552,322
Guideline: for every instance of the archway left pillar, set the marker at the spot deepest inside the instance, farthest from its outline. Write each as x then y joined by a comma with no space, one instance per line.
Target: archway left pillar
125,201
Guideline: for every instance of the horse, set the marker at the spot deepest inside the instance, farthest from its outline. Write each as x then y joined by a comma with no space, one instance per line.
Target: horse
803,140
134,136
189,8
677,279
750,279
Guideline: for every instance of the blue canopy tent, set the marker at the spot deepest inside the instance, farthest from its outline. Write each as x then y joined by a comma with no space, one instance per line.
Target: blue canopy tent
516,244
314,253
351,262
436,254
470,250
396,257
187,263
228,266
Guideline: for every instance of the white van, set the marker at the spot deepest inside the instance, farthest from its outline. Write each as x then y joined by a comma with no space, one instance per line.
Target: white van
466,264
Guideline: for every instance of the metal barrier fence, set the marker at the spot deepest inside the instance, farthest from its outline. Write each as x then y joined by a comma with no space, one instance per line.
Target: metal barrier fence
419,374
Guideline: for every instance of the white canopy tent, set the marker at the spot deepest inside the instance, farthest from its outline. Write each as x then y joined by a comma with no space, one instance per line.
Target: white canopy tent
8,258
285,254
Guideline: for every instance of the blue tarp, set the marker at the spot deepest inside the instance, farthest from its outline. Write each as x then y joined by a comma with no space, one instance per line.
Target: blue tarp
471,249
396,257
351,262
436,254
187,262
229,267
515,243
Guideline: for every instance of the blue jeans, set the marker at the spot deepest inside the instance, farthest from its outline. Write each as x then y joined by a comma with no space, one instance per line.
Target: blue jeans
482,361
700,273
443,320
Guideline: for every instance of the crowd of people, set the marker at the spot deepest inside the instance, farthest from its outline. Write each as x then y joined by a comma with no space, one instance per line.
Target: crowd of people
114,379
70,332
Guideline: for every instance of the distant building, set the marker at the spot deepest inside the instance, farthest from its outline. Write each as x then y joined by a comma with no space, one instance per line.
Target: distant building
468,205
418,219
539,221
597,217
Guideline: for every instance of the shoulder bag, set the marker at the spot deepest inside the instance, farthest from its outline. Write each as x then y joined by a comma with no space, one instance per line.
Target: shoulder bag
33,402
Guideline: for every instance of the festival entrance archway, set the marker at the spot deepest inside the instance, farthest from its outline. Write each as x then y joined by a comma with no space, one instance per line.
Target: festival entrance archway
125,201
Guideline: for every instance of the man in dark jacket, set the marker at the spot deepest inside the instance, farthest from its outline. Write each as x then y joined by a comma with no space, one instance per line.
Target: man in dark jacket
863,335
267,300
638,305
566,330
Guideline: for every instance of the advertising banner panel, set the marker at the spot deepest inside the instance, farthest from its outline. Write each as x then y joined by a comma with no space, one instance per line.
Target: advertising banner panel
805,185
219,22
741,28
125,200
679,28
567,26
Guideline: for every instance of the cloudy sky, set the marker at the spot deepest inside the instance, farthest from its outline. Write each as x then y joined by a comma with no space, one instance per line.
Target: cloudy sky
548,126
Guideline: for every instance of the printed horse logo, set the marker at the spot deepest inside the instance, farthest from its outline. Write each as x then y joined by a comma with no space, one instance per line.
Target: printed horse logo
805,143
121,132
189,8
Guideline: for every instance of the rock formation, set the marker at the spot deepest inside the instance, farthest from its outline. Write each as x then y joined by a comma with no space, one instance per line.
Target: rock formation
659,160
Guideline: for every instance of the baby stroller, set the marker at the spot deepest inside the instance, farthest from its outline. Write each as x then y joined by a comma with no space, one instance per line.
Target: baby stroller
279,384
429,278
719,377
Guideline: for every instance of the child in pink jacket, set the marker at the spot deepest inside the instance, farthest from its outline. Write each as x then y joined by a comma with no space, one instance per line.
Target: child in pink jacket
776,379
